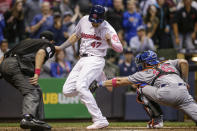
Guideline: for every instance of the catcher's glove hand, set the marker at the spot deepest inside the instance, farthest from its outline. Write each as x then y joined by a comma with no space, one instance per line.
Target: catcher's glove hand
140,85
93,86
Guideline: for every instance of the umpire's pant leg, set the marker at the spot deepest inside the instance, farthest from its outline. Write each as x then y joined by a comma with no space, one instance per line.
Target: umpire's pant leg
32,95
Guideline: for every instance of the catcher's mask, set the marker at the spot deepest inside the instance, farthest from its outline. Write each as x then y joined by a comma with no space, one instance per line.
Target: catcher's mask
149,57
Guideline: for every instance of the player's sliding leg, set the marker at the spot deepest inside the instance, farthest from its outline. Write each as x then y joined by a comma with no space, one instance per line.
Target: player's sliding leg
92,69
153,110
69,88
85,71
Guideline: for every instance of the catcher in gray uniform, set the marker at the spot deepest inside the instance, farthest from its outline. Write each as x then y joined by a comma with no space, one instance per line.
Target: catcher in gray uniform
162,82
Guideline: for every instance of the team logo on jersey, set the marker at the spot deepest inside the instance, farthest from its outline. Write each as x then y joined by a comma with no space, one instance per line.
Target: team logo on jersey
86,36
49,51
115,38
95,16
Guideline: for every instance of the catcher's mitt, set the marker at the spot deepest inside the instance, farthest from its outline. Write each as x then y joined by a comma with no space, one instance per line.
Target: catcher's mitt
93,86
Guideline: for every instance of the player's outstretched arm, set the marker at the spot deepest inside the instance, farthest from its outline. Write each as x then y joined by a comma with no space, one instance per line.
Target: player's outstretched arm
115,82
71,41
39,60
184,68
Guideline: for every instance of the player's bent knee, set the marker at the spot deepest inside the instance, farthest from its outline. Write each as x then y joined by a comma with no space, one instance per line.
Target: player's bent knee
69,92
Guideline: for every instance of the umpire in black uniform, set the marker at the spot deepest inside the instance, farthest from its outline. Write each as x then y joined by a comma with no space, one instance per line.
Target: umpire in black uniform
21,67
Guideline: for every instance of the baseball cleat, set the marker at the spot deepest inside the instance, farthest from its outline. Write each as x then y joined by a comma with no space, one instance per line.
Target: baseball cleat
30,123
98,125
156,123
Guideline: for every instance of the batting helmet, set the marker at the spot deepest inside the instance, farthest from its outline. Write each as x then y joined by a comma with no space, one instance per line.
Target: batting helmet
97,14
149,57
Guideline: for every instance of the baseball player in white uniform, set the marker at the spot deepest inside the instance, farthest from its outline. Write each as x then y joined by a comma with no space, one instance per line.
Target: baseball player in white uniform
96,35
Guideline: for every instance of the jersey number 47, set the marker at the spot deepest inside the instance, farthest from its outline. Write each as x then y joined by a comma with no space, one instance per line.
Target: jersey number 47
95,44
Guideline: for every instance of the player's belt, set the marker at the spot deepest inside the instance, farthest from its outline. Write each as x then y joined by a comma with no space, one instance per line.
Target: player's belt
179,84
85,55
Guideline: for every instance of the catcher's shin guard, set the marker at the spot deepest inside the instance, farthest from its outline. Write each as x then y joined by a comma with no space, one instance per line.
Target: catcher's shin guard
152,108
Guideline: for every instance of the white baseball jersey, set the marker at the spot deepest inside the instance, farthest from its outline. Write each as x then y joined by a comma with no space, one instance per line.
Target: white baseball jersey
93,39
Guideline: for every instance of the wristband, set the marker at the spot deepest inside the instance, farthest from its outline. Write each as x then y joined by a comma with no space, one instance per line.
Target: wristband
37,71
100,84
114,82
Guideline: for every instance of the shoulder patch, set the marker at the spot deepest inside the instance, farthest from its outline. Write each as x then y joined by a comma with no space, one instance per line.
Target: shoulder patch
48,49
115,38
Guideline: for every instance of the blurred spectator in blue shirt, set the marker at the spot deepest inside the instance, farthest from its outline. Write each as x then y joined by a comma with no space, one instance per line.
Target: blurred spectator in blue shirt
42,22
60,68
2,26
14,19
128,67
105,3
58,29
131,20
141,42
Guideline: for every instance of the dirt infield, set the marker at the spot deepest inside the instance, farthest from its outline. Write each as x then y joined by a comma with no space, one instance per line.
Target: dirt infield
109,129
114,126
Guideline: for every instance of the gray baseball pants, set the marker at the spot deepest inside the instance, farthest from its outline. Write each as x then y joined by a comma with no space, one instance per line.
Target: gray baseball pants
173,95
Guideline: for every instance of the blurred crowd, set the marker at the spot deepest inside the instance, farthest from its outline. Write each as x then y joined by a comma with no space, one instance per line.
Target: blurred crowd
140,24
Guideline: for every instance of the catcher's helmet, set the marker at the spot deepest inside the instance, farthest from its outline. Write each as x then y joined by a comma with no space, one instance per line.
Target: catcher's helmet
149,57
97,14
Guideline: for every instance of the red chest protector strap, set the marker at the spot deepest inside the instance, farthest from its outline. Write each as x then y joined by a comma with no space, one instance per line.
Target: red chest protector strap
161,72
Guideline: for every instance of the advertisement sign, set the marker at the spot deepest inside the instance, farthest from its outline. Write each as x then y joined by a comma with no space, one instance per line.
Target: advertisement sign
57,105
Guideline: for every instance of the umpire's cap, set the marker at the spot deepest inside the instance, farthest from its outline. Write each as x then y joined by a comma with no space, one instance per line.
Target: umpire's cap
97,14
47,35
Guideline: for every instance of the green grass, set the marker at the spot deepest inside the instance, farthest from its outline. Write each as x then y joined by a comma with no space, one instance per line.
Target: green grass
112,124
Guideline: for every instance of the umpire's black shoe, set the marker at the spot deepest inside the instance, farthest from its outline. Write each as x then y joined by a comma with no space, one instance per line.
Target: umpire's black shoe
30,123
93,86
